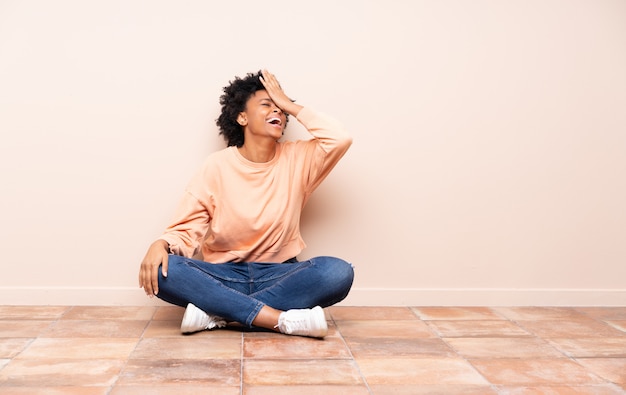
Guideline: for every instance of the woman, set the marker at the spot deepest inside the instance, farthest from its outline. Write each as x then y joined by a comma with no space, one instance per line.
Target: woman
241,211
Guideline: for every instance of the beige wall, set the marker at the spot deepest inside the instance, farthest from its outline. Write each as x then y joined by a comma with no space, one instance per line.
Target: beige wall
488,166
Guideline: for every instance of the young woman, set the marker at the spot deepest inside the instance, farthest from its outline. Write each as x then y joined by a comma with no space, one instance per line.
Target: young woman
241,212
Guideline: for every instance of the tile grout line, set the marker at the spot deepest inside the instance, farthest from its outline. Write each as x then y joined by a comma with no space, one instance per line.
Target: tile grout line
519,323
533,334
367,386
574,359
126,361
439,335
33,339
459,355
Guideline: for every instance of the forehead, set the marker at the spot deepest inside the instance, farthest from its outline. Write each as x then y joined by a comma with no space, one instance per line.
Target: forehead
259,95
257,98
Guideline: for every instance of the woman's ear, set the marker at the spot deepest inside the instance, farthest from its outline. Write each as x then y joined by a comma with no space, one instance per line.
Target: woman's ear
242,119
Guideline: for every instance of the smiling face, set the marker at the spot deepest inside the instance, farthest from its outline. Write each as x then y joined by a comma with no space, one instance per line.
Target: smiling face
262,118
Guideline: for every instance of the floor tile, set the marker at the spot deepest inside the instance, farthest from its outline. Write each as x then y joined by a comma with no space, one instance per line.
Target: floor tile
32,312
391,329
601,389
3,362
79,348
443,389
10,347
169,313
23,328
95,328
181,372
534,372
115,313
456,313
591,347
293,347
507,347
413,348
175,389
540,313
571,328
424,371
612,369
617,324
300,372
113,350
55,372
162,328
60,390
477,328
604,313
188,347
307,390
352,313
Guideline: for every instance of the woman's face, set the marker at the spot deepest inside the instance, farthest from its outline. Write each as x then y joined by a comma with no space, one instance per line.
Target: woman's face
261,117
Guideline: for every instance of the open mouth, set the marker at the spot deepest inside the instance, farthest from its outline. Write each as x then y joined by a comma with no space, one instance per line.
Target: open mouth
274,121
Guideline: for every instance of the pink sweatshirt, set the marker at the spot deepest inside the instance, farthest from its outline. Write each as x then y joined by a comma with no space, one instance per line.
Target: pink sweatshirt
237,210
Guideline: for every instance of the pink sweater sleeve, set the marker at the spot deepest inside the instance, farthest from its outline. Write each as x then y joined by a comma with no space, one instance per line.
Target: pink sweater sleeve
330,137
188,227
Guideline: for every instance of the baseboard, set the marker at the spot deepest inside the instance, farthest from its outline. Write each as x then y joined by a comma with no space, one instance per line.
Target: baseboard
485,297
76,296
130,296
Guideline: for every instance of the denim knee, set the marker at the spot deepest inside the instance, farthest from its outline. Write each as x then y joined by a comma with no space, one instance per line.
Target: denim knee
337,273
175,263
168,289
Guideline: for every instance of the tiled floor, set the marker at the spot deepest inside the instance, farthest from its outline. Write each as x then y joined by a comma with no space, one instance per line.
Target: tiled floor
369,350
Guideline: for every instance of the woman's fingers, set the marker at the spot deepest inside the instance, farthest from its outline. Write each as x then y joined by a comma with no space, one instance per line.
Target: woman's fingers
155,258
274,90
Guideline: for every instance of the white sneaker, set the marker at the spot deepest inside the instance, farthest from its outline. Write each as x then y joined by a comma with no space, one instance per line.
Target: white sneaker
305,322
196,320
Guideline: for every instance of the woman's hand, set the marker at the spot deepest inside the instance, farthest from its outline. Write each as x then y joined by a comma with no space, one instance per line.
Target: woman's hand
149,271
277,94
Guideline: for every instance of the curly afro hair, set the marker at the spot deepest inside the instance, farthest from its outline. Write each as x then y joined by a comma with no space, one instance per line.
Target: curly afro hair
233,102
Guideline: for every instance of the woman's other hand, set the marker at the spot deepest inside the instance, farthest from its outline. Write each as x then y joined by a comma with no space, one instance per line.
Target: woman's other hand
149,271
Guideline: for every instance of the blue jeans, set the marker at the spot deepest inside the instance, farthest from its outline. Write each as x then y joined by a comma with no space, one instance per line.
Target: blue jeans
237,291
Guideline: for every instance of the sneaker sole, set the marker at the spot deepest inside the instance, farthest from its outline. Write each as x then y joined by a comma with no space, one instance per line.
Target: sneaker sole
187,327
320,320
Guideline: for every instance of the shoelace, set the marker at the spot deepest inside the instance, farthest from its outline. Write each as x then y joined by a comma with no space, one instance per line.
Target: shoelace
292,324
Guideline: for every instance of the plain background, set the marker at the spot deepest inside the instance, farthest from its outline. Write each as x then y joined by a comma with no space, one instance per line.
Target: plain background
488,164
